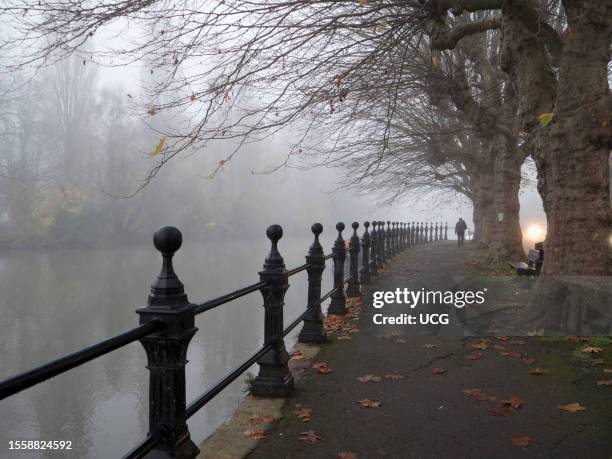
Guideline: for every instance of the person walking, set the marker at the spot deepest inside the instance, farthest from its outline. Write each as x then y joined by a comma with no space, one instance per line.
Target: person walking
460,228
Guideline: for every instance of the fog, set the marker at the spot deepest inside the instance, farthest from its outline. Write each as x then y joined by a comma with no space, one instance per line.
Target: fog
76,254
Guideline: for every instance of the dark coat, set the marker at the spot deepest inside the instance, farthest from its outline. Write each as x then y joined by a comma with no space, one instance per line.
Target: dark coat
460,227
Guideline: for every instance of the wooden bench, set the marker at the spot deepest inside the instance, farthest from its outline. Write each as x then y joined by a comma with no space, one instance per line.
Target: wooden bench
535,259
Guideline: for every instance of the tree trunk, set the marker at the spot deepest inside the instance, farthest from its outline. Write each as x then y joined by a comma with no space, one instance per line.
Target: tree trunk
573,158
506,237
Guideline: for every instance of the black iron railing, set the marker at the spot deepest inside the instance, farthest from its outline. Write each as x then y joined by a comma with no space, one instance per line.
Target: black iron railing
167,324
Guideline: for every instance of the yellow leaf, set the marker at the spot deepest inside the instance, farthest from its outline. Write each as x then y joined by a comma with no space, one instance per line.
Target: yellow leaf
159,147
545,119
572,407
151,111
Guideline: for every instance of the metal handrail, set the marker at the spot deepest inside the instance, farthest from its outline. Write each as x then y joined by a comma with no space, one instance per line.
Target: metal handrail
37,375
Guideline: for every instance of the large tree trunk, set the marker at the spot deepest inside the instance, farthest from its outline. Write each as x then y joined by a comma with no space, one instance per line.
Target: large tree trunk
484,207
573,159
575,293
506,237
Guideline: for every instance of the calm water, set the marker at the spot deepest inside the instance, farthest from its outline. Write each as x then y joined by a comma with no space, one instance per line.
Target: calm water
57,301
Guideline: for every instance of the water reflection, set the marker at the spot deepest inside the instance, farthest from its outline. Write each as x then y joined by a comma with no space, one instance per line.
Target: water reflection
55,302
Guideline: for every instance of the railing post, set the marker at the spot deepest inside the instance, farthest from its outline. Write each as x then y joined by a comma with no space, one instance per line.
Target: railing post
382,253
274,378
404,235
366,242
431,239
389,240
313,330
167,353
374,250
394,232
353,289
411,234
446,231
338,299
436,233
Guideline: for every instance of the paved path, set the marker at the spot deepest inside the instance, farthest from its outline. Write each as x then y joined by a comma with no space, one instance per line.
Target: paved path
427,414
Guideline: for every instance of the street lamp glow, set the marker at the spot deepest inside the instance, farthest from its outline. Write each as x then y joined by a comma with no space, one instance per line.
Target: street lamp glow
535,232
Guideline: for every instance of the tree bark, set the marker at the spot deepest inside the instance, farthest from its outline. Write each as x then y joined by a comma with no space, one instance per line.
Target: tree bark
573,155
506,242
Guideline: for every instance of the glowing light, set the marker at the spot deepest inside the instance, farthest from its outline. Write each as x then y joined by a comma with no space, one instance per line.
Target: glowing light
535,233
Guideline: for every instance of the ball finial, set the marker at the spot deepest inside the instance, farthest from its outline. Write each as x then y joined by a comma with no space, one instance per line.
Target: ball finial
317,228
355,225
168,239
340,226
366,224
274,232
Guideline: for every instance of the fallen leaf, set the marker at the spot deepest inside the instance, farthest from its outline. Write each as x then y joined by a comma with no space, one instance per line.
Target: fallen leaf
159,146
481,345
310,436
484,397
503,411
502,338
438,371
572,407
304,414
591,349
522,441
607,382
475,356
343,337
322,368
347,455
297,355
545,119
515,402
367,403
538,371
394,377
256,419
255,434
368,378
471,392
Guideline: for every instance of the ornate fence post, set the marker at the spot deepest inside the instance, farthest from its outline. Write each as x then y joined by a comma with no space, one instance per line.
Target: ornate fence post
274,378
374,250
404,235
446,231
167,353
353,289
366,243
313,330
396,238
431,239
338,299
411,234
436,233
392,240
382,252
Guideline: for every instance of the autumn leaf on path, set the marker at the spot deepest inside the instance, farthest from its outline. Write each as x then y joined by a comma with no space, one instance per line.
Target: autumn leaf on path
481,345
572,407
591,349
605,383
503,411
343,337
310,436
515,402
438,371
297,355
368,378
522,441
255,434
476,356
393,377
322,368
502,338
347,455
367,403
538,371
256,419
471,392
304,414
